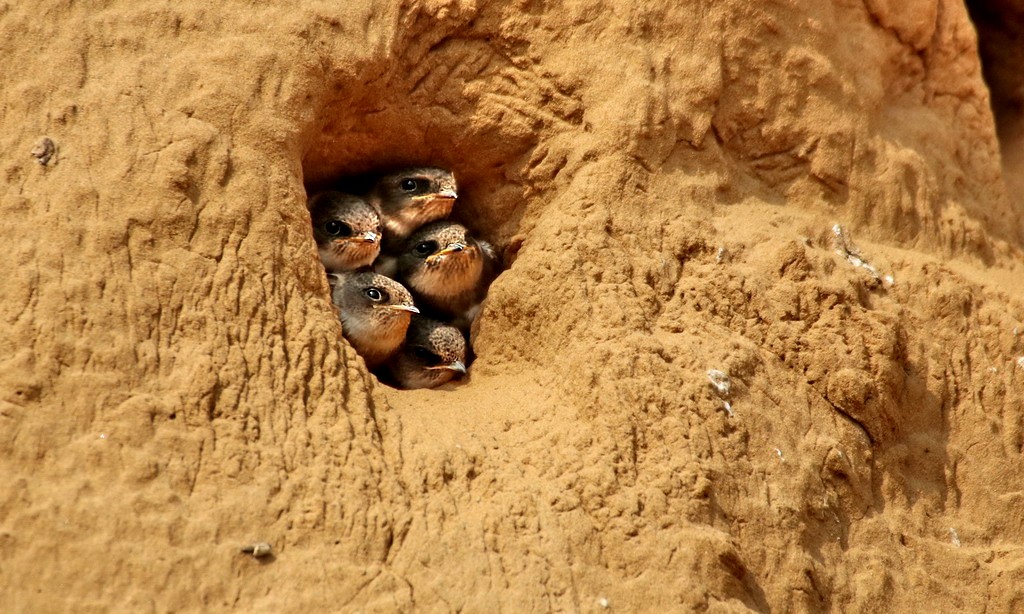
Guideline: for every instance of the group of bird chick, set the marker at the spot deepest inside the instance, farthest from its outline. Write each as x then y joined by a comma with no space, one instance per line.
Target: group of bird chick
407,281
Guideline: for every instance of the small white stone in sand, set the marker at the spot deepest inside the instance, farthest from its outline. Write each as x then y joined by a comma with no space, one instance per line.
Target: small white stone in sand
1020,362
720,380
778,453
953,537
852,255
258,550
728,409
603,602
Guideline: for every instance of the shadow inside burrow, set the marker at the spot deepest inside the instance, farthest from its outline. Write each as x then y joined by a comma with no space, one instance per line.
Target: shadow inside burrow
393,124
1000,31
1000,28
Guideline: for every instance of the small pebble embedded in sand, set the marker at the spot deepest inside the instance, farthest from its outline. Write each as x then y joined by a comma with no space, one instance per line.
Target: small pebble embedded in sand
845,249
603,602
44,150
720,380
258,550
953,537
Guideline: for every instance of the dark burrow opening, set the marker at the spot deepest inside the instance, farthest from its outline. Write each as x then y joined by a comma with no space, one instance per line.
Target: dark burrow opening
373,139
1000,27
408,272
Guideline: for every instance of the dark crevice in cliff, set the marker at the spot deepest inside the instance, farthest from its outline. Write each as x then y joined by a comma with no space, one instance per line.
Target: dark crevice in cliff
1000,25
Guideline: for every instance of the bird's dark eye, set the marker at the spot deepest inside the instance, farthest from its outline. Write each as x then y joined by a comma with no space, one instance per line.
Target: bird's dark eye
431,359
425,248
375,294
409,185
338,229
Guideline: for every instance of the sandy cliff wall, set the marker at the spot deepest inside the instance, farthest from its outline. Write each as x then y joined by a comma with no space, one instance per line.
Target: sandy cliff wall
174,386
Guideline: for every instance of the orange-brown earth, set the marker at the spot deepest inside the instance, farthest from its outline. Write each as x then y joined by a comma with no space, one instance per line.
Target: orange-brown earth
175,385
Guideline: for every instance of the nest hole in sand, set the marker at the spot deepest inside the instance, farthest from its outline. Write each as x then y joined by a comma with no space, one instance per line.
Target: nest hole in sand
1000,28
370,125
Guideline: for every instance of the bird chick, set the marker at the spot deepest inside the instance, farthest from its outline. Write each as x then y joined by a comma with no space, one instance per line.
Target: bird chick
447,270
375,312
411,198
434,353
347,230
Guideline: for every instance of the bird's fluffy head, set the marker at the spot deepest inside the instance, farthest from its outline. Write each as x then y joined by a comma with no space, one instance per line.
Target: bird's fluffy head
375,312
434,353
366,290
347,230
413,197
441,258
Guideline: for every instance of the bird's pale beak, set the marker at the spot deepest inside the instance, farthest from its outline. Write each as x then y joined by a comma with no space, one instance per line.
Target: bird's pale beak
448,193
452,248
457,366
408,308
368,237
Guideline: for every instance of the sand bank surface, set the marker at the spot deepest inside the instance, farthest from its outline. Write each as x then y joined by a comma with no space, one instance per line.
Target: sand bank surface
807,197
